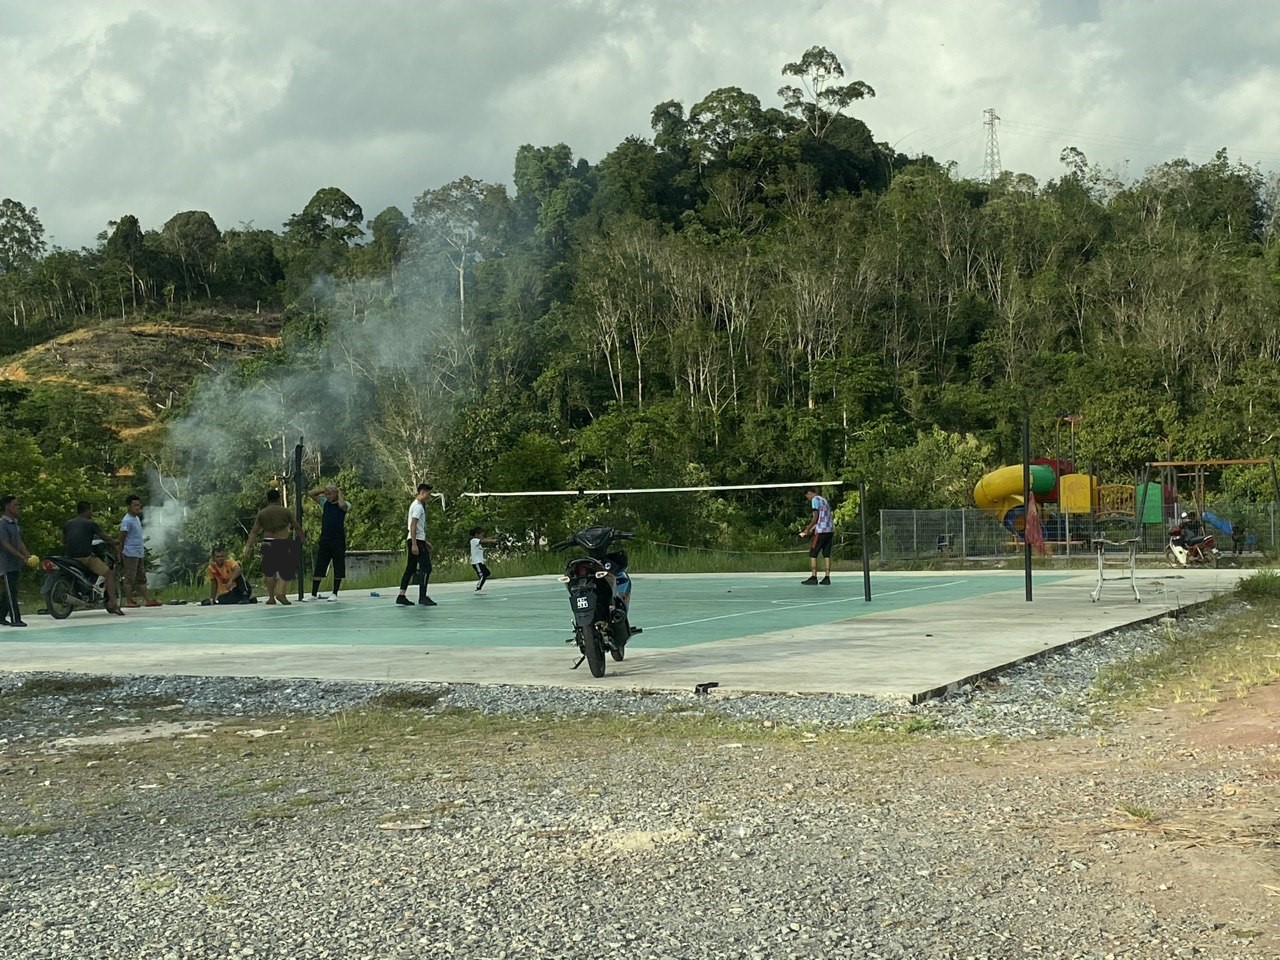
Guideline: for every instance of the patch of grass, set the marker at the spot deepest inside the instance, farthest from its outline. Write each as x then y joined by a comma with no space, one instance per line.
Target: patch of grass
893,726
1199,663
407,699
29,830
64,685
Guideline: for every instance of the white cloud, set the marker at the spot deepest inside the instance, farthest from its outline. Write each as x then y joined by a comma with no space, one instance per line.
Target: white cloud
244,108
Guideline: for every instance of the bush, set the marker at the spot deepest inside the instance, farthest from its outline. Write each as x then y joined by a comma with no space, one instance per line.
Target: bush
1263,585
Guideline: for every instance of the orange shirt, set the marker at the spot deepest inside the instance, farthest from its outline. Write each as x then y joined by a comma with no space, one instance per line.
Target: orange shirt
224,575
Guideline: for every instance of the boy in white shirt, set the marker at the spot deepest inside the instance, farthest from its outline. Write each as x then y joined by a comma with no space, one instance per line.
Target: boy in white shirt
478,540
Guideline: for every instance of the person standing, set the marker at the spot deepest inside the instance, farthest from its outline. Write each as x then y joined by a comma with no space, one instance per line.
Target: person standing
13,554
478,541
332,547
281,555
133,553
418,550
78,535
821,529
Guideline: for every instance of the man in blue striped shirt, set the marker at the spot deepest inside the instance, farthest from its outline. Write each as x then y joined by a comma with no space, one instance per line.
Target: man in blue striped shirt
821,529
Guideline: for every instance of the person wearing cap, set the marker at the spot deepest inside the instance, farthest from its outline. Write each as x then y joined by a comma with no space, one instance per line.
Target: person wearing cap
417,550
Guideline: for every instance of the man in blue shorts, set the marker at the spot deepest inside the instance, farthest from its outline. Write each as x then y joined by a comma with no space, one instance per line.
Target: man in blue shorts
821,529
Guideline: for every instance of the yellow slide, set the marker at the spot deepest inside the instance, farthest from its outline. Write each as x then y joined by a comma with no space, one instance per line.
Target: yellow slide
1001,490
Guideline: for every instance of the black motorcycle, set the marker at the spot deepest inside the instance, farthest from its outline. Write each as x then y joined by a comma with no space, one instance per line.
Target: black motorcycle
599,595
69,586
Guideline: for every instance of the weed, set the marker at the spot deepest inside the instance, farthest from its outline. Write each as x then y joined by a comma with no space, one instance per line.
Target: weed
1263,585
1137,812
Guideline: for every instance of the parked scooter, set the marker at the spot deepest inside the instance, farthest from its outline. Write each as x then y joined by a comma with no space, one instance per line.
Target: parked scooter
599,595
1189,551
69,586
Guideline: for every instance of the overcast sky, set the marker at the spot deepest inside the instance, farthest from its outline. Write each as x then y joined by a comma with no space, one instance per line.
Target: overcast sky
245,108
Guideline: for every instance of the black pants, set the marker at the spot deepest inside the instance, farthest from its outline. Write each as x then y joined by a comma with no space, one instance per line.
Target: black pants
417,567
237,594
331,551
10,610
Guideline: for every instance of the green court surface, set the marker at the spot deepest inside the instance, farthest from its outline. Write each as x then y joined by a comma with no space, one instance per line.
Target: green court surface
675,611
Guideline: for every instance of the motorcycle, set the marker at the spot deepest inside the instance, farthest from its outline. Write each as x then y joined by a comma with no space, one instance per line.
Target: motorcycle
599,595
1197,553
69,586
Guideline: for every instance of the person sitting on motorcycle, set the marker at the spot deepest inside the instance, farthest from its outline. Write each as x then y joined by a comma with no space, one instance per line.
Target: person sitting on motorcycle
1192,532
78,535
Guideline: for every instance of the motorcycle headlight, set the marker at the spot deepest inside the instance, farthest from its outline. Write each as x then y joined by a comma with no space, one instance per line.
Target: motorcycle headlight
601,574
563,579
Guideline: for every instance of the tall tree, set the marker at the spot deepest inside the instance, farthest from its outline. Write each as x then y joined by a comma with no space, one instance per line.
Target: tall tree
21,237
818,100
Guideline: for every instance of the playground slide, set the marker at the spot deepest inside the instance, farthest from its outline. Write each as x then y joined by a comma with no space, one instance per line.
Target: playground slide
1001,490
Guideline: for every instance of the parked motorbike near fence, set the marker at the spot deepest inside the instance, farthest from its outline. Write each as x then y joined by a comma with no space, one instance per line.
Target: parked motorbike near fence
1194,553
599,595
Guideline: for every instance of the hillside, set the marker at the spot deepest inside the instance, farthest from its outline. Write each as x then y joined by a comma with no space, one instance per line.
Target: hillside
145,364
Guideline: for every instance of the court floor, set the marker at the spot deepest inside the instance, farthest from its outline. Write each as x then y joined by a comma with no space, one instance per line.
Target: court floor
675,611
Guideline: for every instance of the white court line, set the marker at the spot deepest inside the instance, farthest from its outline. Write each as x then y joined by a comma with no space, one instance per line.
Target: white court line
814,603
790,605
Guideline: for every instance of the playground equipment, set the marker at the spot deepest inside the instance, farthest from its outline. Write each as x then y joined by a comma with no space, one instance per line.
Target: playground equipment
1000,493
1128,560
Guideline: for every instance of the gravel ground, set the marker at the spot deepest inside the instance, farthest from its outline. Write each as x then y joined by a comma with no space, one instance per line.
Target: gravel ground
523,840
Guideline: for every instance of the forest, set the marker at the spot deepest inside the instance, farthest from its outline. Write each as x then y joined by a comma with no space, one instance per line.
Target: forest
745,293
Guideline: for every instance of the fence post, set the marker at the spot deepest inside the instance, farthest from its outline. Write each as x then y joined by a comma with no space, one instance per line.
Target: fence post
964,548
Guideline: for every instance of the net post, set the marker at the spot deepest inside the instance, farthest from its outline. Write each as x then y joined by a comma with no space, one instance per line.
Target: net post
866,552
297,508
1026,501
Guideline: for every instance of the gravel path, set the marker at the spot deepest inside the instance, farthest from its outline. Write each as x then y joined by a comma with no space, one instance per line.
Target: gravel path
520,839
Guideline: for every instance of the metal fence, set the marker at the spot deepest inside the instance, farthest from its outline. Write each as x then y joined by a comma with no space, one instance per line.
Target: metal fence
969,532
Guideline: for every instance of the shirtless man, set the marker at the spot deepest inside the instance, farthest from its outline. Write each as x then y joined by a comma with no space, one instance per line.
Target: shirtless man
280,554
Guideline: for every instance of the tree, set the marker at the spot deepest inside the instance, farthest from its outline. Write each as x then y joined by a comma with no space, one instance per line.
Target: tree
467,218
194,240
817,102
21,237
124,249
330,215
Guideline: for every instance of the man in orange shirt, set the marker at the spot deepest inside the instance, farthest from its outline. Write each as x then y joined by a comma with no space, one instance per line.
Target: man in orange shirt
226,580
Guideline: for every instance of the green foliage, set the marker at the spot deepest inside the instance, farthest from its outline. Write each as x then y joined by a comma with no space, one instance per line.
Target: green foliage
1263,585
763,292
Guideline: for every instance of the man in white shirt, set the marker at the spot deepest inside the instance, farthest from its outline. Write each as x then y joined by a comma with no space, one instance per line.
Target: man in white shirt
418,552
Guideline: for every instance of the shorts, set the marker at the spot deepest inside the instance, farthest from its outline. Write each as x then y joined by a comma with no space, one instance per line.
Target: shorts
821,545
135,572
95,565
280,558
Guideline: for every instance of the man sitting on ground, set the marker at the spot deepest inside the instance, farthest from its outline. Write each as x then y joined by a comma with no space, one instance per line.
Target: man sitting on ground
226,580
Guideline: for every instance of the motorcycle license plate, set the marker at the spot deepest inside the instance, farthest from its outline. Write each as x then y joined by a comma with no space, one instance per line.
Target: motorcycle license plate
583,603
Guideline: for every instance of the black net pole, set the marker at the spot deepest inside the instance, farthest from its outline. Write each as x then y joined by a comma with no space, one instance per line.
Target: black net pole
866,550
297,511
1026,501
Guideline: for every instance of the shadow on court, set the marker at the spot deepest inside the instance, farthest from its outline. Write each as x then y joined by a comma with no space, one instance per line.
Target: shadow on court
747,632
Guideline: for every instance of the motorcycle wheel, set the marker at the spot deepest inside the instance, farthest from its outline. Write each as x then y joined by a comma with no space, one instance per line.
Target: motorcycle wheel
59,600
1171,557
592,646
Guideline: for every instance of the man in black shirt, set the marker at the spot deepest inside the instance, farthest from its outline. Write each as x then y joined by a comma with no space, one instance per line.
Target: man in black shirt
78,535
332,547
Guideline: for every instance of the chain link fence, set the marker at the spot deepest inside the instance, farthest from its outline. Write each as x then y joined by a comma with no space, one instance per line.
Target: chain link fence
969,532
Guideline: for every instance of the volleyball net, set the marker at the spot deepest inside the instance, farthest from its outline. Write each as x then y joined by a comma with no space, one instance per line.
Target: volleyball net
727,520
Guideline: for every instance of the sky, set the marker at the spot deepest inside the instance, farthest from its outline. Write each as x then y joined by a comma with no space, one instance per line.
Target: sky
244,108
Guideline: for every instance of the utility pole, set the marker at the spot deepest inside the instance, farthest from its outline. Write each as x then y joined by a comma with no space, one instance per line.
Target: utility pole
991,162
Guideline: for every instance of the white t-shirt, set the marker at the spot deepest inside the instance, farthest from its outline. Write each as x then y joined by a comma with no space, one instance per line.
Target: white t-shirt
416,509
477,550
